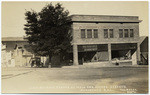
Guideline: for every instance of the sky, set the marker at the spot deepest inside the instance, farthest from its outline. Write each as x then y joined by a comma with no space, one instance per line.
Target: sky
13,18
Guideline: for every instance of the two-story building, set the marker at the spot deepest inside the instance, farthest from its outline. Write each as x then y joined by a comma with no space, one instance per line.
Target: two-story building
99,38
96,39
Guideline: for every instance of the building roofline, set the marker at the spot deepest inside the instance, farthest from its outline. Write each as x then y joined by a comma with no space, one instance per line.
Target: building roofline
102,15
129,21
104,19
13,39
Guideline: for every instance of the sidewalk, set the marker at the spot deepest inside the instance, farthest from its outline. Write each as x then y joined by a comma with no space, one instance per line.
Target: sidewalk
106,66
138,66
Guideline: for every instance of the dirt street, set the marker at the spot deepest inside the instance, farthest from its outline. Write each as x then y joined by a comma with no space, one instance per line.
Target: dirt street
76,80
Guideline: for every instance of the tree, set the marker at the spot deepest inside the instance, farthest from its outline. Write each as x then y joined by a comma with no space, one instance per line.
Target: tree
48,31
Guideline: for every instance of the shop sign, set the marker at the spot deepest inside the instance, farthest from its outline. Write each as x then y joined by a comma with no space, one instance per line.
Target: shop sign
89,48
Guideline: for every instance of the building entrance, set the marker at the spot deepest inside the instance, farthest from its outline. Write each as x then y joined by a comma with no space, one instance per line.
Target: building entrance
92,53
123,51
86,56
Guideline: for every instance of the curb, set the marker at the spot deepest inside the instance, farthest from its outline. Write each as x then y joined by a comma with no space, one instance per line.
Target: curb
138,66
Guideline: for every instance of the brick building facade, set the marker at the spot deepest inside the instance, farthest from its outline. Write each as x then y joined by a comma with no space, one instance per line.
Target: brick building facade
103,38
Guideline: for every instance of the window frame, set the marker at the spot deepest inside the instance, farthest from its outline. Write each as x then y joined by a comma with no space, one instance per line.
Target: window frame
106,32
112,33
95,32
122,33
125,33
91,34
130,33
84,33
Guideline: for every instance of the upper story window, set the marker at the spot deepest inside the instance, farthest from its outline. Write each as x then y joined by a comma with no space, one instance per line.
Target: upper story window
105,33
111,33
83,33
95,33
108,33
120,33
89,33
131,33
126,33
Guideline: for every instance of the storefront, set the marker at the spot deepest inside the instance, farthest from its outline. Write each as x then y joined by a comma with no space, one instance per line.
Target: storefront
99,52
92,53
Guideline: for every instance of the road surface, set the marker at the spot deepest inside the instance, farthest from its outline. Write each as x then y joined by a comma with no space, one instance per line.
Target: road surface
76,80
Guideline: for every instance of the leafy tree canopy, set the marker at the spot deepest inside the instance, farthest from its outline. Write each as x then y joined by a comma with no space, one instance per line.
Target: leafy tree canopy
48,31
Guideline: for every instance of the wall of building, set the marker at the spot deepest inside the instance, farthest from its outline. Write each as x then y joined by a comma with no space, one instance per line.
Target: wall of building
101,26
6,58
19,57
10,45
100,23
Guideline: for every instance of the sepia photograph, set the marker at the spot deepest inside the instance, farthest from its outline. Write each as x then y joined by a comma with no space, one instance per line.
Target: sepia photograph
74,47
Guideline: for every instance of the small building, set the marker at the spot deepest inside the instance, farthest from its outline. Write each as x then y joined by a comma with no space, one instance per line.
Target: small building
20,54
99,38
16,47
